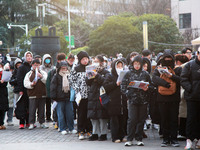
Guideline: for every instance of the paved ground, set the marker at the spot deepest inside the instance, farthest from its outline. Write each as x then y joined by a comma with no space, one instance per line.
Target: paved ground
50,139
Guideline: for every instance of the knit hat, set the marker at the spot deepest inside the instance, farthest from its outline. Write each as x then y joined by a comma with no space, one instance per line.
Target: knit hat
82,54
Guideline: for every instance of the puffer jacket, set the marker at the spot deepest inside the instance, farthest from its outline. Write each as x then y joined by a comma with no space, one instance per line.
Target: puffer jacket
118,101
95,109
190,80
135,95
56,91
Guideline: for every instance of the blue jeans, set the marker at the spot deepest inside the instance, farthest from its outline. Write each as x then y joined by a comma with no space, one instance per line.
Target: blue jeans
65,115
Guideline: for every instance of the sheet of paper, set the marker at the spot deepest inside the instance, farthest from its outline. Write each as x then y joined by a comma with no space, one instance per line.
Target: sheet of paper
78,98
121,75
6,75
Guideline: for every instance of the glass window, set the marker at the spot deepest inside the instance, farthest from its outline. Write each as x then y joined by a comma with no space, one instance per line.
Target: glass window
185,20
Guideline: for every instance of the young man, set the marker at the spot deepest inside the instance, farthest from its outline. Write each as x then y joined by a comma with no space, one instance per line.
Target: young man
47,66
190,81
21,110
187,52
35,81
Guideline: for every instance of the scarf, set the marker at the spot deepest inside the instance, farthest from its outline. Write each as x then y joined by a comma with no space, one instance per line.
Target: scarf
65,82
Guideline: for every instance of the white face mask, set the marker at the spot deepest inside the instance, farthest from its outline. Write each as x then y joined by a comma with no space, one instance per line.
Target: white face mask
119,70
1,69
96,64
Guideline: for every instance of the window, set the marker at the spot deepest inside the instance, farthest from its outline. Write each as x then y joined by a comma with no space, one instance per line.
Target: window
185,21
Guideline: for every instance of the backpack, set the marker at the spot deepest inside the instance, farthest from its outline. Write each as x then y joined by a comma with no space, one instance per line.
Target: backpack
167,91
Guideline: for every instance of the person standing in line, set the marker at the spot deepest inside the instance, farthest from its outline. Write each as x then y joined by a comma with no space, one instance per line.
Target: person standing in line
96,112
168,97
190,81
47,66
60,92
35,81
60,58
22,105
117,108
137,100
78,81
3,99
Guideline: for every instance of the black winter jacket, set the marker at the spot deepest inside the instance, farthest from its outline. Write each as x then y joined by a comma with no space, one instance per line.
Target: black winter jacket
56,92
95,109
21,72
134,95
3,96
190,80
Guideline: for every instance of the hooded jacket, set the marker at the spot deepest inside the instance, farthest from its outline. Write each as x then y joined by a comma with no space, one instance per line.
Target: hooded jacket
22,71
134,95
56,92
13,80
44,67
118,101
161,82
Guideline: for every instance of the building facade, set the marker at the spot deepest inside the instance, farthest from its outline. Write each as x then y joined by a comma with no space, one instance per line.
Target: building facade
186,14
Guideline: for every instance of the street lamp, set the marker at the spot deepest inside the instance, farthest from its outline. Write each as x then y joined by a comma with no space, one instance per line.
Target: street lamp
24,27
41,12
69,28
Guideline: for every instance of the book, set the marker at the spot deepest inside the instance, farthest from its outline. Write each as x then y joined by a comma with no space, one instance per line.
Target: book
138,84
90,71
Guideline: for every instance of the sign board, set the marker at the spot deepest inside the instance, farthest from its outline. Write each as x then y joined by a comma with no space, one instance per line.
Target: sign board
72,41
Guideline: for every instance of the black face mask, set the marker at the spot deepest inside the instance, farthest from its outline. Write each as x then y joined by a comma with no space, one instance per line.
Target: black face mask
168,63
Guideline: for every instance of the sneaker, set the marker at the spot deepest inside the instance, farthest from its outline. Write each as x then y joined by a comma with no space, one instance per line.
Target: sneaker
21,126
117,141
140,143
64,132
55,126
81,136
103,137
165,143
156,126
88,135
94,137
27,125
42,125
10,124
175,143
31,126
124,140
72,132
188,145
2,127
128,143
181,137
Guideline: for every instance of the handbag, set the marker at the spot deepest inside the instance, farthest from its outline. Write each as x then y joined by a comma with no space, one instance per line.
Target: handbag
167,91
104,98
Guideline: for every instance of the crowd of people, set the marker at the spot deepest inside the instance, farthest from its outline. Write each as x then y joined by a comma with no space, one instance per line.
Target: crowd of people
167,93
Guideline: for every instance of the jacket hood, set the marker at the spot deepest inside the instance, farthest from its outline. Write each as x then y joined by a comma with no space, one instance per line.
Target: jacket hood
45,57
146,60
28,52
17,60
114,66
61,64
168,53
138,59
